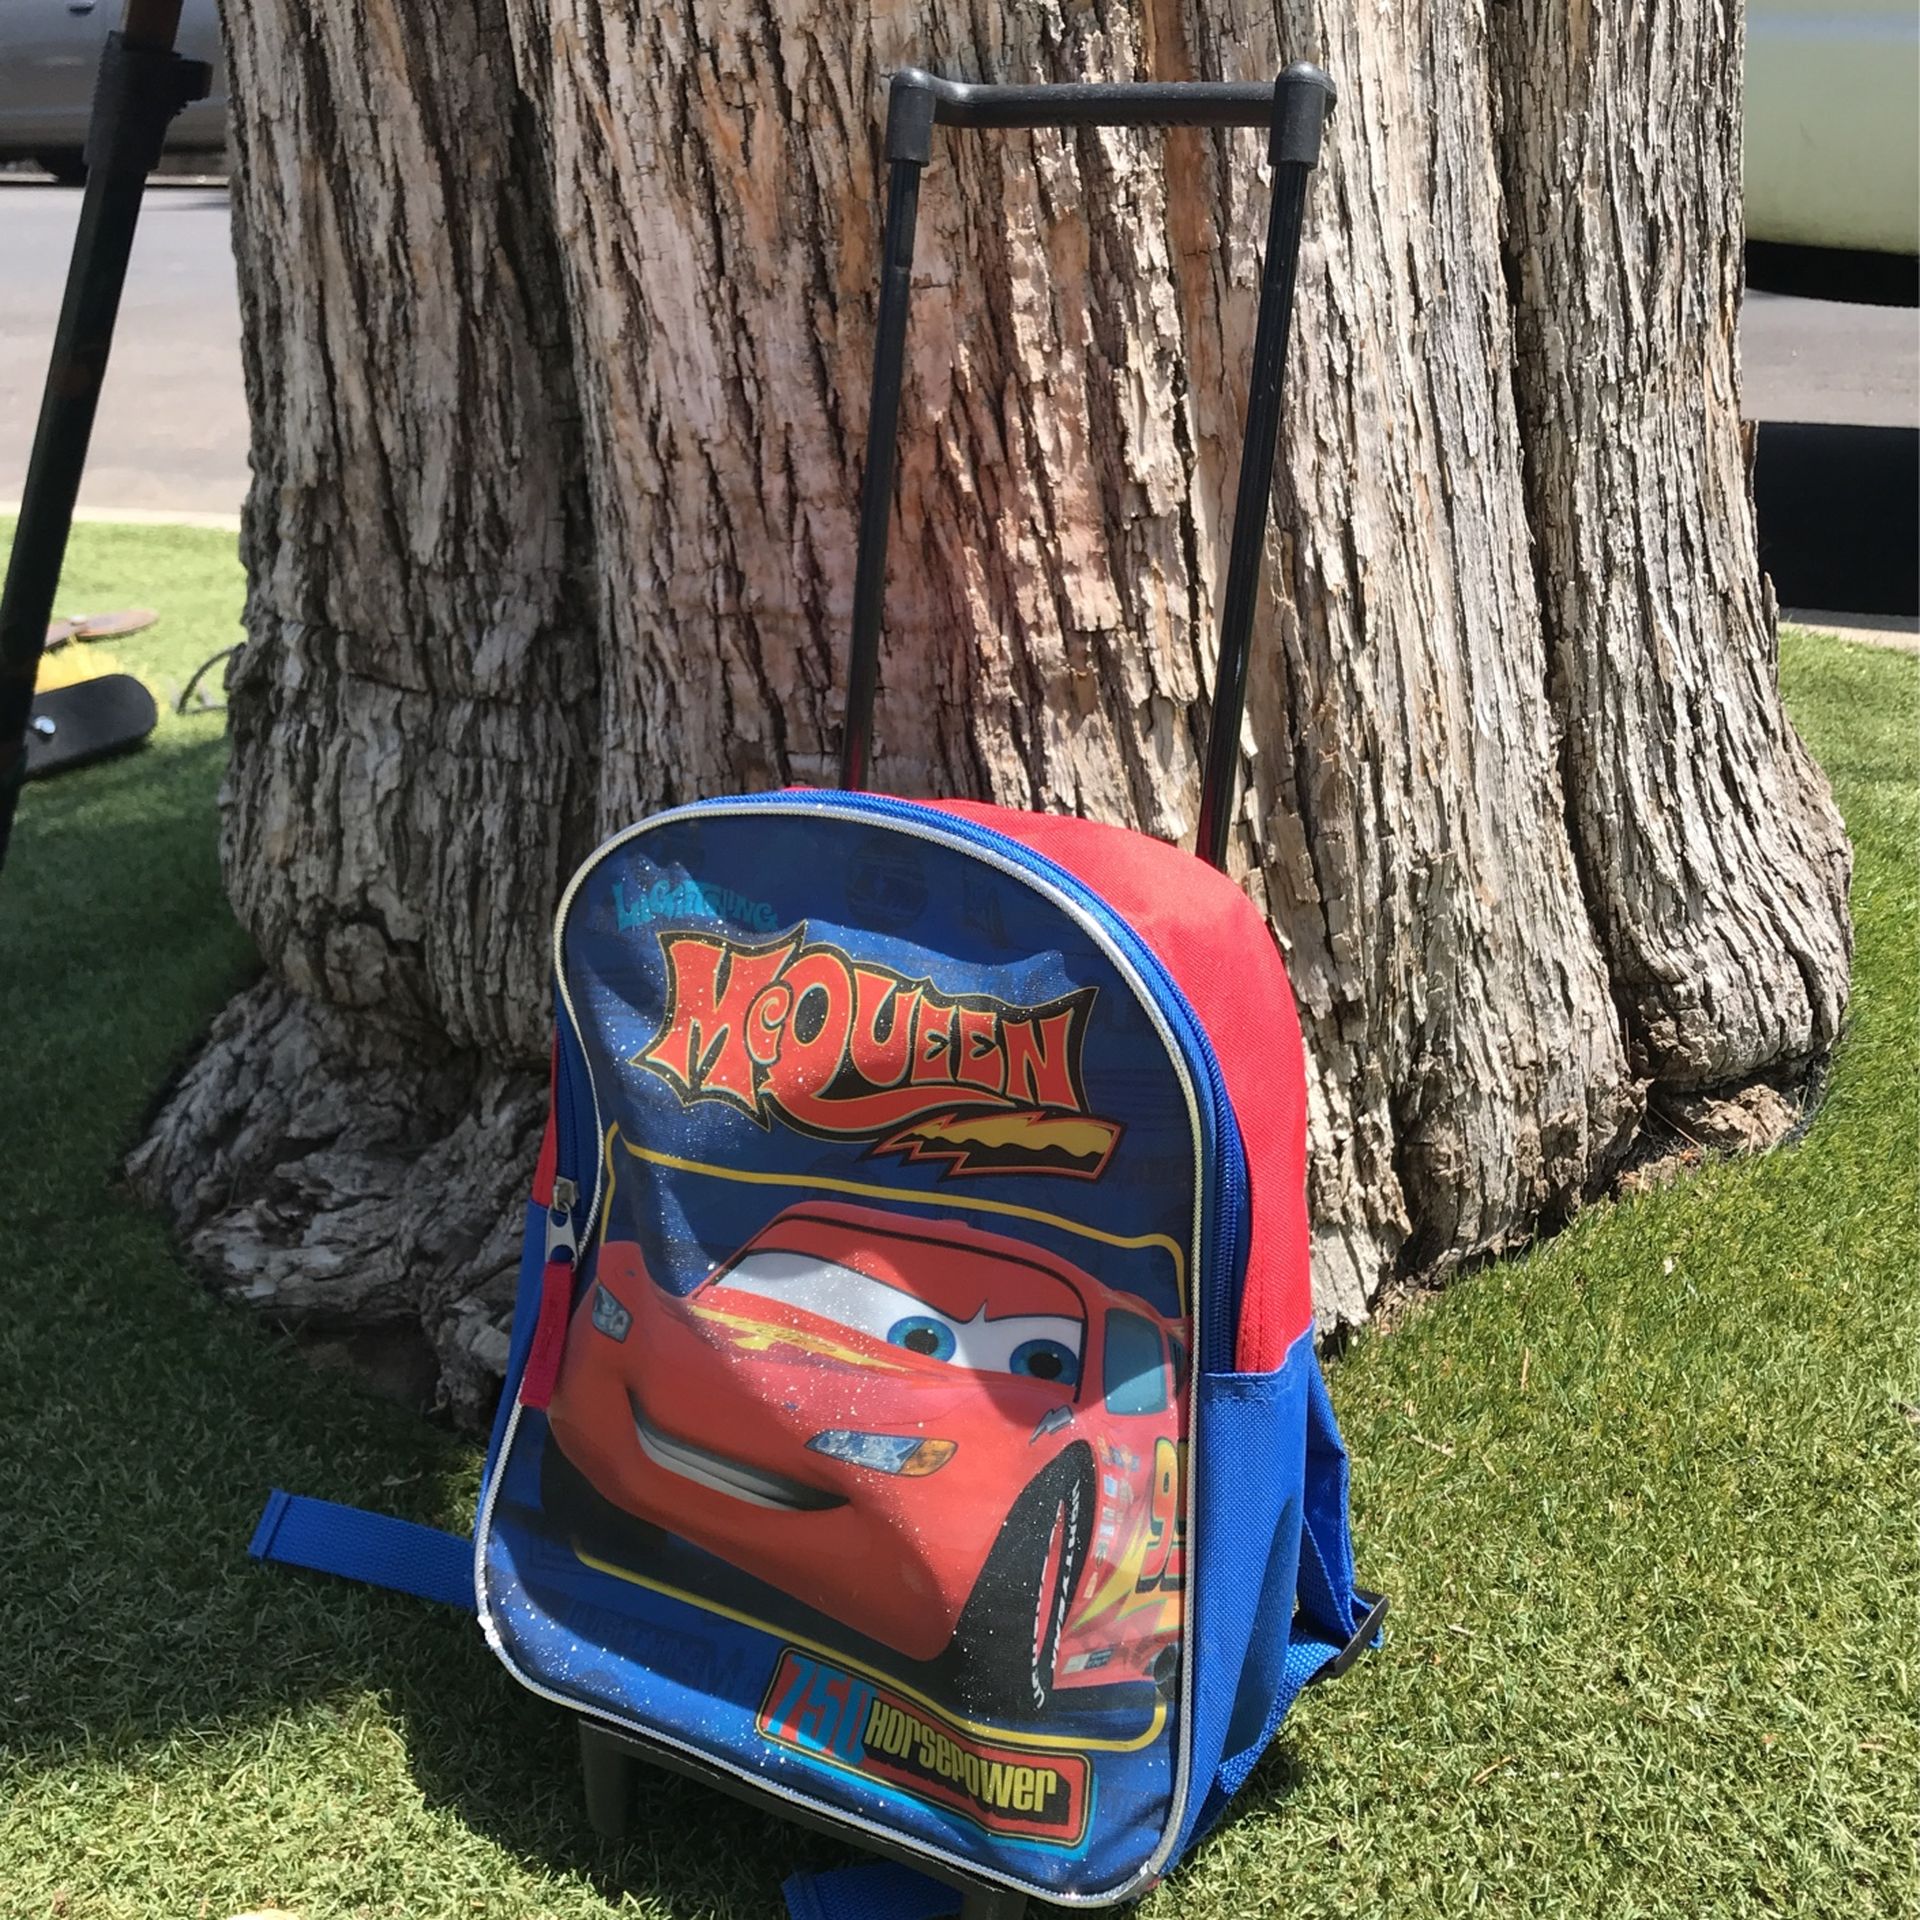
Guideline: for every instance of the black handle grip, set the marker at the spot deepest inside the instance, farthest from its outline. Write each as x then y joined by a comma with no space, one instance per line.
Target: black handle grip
1094,103
1294,108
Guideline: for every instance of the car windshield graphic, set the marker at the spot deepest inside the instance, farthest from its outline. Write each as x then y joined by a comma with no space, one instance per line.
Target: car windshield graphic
1040,1346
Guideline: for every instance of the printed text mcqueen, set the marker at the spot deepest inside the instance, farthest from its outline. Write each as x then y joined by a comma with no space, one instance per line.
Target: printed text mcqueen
844,1048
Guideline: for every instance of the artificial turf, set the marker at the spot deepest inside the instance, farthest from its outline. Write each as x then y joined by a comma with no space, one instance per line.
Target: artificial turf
1648,1501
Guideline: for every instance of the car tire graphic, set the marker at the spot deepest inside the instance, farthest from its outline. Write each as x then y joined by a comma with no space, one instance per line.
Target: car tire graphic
1003,1648
578,1511
1166,1673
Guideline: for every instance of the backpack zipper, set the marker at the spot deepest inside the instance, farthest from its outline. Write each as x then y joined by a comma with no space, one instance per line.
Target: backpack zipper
566,1184
560,1235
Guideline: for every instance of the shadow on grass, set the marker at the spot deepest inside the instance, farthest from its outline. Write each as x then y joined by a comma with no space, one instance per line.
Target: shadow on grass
142,1421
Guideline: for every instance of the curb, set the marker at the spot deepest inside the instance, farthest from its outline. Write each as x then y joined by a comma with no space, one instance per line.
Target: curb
1900,631
140,517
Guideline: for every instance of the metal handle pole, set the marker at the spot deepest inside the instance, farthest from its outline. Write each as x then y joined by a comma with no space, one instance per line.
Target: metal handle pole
143,83
1294,109
909,146
1300,101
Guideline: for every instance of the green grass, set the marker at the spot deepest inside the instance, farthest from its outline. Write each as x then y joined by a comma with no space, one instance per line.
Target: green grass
1646,1500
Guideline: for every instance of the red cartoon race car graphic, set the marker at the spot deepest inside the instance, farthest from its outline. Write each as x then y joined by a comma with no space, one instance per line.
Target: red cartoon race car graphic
949,1441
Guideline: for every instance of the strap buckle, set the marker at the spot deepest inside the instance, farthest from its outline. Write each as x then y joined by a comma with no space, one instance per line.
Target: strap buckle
1364,1635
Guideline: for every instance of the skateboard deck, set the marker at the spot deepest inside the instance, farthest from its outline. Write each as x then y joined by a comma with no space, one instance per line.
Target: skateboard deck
89,720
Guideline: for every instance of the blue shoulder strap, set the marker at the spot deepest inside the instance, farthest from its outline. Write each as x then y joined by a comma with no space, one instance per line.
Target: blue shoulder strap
296,1531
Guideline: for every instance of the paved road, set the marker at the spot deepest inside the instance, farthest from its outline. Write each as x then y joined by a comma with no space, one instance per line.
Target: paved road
1823,361
1837,388
1836,479
172,427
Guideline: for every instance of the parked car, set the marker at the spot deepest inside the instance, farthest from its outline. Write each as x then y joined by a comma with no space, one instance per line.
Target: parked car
1833,125
49,55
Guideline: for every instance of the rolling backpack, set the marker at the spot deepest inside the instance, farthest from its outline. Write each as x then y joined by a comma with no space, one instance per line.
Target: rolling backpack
912,1421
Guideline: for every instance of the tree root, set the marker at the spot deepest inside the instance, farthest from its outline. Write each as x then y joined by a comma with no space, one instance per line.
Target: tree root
340,1179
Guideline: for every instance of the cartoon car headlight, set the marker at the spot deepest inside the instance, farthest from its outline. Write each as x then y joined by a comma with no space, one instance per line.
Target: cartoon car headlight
902,1453
609,1316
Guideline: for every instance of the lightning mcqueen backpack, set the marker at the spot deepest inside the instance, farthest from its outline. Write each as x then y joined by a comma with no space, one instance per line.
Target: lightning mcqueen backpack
912,1419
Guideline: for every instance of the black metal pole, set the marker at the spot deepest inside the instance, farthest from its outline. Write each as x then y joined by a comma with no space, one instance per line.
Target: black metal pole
142,84
909,147
1301,98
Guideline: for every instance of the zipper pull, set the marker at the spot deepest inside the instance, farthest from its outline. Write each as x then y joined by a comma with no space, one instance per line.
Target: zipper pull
542,1369
561,1244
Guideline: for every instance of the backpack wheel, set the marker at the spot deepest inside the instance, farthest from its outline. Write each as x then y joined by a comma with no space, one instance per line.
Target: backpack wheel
611,1776
1004,1647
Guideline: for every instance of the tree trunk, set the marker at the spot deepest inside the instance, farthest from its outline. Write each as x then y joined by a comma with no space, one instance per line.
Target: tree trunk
557,331
1712,857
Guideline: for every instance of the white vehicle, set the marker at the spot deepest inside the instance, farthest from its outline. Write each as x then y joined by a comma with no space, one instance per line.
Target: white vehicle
49,55
1833,124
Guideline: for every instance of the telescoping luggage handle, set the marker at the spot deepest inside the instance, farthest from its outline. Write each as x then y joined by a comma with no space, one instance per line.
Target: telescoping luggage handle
1294,108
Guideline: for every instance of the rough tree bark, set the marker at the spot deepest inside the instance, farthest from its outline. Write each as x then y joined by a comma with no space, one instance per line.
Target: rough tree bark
1707,841
557,324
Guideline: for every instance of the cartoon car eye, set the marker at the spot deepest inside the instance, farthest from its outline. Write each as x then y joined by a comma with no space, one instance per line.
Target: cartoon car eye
1036,1346
923,1333
842,1294
1045,1359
